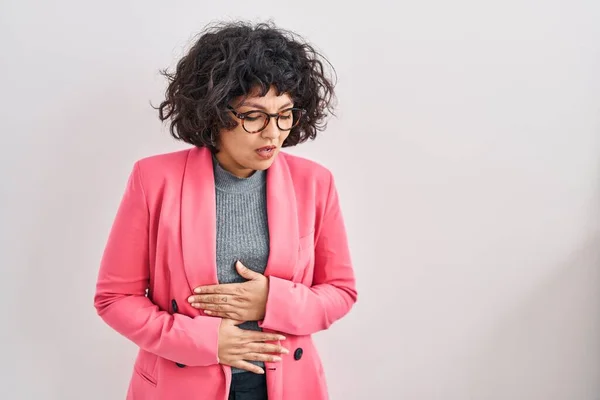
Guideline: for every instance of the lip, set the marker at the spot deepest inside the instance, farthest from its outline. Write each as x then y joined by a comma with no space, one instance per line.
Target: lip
266,152
266,148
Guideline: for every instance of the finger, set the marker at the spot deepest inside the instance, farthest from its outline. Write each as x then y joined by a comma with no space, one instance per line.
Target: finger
266,348
232,321
248,367
246,272
227,315
214,307
261,357
226,288
255,336
212,298
220,310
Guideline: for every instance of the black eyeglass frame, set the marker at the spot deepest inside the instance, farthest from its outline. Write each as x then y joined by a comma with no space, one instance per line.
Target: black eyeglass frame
268,117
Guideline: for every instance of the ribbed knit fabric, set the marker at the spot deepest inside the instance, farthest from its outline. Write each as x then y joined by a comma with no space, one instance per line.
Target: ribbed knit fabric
242,230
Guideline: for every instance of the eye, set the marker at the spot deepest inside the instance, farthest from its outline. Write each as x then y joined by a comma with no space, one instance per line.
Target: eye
254,115
286,114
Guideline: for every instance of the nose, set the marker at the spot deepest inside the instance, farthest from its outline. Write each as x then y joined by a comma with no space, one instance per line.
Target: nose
272,130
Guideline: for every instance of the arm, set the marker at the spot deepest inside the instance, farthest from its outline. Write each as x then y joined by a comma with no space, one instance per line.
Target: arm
333,292
121,287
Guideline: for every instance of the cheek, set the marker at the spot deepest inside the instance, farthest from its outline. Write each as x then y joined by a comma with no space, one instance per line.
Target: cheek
284,136
235,141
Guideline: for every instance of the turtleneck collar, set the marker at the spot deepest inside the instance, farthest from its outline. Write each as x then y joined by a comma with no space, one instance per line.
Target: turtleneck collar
226,181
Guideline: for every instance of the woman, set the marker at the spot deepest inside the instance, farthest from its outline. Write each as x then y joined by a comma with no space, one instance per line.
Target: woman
225,258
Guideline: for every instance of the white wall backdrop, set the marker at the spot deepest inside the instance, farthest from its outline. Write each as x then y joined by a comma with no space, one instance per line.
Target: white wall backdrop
467,154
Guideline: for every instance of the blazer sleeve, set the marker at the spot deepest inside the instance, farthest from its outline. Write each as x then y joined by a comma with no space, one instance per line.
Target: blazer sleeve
123,279
333,291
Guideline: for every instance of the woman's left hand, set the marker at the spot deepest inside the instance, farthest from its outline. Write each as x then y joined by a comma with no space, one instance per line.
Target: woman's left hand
240,301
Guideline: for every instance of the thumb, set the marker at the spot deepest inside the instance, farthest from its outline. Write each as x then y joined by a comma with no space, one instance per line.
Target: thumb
245,271
231,322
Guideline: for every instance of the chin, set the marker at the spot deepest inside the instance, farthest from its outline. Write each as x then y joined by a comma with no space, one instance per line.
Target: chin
263,164
257,163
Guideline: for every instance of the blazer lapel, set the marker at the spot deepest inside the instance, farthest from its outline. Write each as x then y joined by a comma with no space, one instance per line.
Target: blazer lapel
282,215
198,220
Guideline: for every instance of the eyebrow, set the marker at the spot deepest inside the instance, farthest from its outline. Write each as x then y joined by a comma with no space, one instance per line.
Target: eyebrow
250,104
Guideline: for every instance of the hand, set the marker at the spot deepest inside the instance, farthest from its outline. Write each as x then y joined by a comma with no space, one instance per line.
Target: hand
238,346
240,301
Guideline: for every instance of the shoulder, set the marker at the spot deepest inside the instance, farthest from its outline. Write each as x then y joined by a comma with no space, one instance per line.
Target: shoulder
157,169
311,178
303,168
161,161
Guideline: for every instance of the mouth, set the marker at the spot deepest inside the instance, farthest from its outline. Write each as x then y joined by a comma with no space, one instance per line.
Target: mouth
266,152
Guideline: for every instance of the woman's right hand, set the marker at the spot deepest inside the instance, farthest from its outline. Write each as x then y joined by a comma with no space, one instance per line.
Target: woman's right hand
238,346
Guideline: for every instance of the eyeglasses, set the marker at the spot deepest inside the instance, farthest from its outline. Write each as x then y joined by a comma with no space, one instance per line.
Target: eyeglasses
255,121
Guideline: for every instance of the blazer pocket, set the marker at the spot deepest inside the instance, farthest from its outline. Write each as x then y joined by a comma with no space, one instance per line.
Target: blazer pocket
145,376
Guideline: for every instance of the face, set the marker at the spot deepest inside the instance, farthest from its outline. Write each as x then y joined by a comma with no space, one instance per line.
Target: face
242,153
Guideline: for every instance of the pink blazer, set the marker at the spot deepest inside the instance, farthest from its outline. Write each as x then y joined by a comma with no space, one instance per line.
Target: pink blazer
162,245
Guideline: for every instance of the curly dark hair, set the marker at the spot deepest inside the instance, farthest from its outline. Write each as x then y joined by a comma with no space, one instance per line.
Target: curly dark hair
234,59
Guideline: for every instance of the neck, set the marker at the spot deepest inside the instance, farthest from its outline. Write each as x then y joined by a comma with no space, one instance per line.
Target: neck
232,167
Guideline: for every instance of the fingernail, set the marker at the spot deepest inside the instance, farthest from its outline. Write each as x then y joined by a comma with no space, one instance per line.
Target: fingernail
261,372
197,290
208,312
285,351
276,358
282,338
190,299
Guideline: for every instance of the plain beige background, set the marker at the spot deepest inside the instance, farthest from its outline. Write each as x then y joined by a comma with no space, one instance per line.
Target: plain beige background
467,155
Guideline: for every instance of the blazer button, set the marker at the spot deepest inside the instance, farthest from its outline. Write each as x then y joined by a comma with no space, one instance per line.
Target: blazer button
298,353
180,365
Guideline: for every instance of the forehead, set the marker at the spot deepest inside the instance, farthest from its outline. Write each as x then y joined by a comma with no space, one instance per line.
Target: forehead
271,99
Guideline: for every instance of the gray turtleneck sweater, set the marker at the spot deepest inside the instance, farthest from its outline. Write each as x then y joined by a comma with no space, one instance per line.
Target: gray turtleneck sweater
242,230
